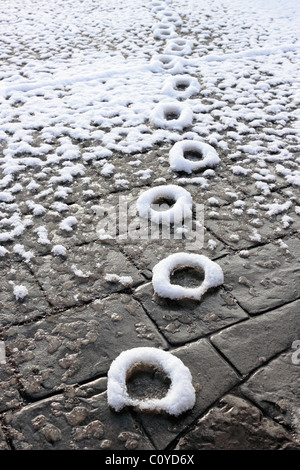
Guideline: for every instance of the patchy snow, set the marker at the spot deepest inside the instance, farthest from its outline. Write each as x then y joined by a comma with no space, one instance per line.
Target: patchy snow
180,396
171,115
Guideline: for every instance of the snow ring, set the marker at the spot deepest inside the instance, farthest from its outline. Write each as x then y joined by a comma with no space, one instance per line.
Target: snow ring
179,163
180,396
166,63
179,46
182,209
181,86
172,115
213,276
163,31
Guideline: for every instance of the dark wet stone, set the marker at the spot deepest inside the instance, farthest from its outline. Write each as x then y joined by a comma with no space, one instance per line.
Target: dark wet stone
78,344
236,424
14,308
80,276
251,343
186,320
205,365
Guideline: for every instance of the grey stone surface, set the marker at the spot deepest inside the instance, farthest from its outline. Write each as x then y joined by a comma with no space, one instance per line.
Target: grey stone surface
183,321
80,276
78,344
236,424
14,309
241,229
266,277
205,365
275,388
254,341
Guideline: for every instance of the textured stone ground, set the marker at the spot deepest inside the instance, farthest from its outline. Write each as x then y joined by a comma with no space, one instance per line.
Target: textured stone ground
239,342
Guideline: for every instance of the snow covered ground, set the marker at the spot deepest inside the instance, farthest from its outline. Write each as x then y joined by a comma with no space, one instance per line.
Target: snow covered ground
175,99
80,81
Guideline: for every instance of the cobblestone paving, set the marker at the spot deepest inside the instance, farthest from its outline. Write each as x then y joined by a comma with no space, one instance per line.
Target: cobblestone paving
240,341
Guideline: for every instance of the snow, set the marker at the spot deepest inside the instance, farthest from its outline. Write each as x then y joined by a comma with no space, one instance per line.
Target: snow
181,210
59,250
180,396
213,276
94,99
3,251
208,157
20,250
183,116
180,86
126,281
68,223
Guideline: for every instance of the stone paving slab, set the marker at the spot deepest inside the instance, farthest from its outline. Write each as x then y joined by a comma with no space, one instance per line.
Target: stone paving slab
80,417
75,422
236,424
265,277
241,229
275,388
14,308
78,344
184,321
71,146
79,277
147,253
205,365
252,342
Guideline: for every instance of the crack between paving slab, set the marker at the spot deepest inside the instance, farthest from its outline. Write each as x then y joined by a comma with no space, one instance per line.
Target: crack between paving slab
235,387
175,441
152,321
268,310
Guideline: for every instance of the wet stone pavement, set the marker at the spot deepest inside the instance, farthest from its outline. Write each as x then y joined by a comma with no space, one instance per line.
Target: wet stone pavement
89,297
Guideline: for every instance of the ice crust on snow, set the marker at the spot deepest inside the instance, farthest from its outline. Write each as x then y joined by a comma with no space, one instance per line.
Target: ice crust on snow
180,396
213,276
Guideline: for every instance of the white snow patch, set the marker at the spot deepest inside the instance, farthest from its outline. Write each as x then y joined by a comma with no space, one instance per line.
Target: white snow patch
172,115
180,396
126,281
213,276
68,223
59,250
